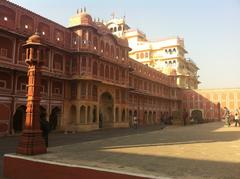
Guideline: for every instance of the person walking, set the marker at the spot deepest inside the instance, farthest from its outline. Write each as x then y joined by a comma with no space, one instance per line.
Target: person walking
45,127
236,118
227,116
185,116
135,122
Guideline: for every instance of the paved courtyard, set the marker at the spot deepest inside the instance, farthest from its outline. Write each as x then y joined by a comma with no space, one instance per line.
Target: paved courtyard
199,151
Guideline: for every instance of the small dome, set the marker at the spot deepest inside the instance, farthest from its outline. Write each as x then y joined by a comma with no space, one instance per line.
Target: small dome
35,38
85,18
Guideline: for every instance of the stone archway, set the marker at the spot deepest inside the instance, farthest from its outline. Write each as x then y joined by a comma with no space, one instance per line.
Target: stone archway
197,116
19,118
123,115
82,114
73,115
54,118
145,117
106,110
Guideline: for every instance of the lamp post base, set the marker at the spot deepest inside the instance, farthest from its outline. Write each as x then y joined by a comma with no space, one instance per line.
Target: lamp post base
31,143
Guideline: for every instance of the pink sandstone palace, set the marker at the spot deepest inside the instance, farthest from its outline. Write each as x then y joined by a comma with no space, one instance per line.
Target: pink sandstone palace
89,81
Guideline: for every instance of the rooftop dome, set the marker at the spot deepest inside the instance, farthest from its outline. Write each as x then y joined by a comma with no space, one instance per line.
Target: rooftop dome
85,18
80,18
34,39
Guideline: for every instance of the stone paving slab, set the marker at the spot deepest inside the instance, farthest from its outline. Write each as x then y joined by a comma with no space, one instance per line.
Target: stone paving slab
199,151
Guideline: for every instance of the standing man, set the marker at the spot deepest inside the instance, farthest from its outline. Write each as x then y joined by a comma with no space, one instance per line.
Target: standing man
227,116
236,118
185,116
135,122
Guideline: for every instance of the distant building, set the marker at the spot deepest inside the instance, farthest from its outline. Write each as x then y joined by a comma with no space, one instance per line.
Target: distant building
166,55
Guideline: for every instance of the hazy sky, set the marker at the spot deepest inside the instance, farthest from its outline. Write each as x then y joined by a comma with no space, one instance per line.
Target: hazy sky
211,28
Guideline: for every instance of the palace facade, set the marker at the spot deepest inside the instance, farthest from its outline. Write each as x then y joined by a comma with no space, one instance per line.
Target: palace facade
88,82
92,79
165,55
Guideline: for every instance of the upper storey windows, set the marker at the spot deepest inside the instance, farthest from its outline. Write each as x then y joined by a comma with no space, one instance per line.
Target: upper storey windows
7,17
44,29
59,36
171,51
27,24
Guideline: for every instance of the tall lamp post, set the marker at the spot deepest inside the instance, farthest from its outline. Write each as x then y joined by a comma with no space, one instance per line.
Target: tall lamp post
31,141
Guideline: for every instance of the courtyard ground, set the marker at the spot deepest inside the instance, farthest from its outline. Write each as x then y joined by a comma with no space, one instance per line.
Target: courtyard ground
208,150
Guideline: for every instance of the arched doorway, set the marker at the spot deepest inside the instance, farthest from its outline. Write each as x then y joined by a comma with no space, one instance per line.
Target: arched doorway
106,110
82,114
145,117
116,115
19,119
150,117
94,113
154,118
54,118
197,116
73,115
123,115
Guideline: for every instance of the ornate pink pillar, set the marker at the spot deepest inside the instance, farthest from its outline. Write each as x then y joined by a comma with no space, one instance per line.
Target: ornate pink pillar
31,141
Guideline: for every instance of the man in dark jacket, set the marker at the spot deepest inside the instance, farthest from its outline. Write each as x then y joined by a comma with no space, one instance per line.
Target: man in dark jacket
44,126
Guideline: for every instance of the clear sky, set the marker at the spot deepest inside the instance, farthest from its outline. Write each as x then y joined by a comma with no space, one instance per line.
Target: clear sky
211,28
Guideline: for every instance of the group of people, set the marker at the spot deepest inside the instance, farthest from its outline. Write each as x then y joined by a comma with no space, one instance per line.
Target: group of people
228,117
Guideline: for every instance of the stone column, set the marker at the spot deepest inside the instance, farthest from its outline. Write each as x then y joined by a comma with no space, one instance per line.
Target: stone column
31,141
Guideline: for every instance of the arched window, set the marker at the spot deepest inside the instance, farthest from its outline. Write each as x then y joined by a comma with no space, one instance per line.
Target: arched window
111,73
95,68
84,63
107,49
102,70
123,115
95,43
119,28
117,53
112,51
117,75
82,114
115,29
142,55
137,55
83,89
102,46
123,75
106,72
94,92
